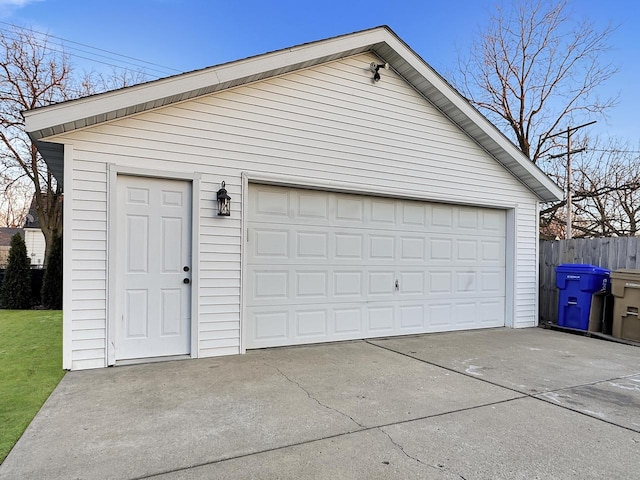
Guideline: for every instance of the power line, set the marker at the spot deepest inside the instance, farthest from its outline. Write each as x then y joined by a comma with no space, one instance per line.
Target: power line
136,62
605,150
602,150
50,46
90,46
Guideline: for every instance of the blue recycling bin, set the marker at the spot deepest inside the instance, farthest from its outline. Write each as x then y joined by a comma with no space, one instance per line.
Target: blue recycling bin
577,283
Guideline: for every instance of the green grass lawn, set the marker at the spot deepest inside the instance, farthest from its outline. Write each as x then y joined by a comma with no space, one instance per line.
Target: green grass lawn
30,368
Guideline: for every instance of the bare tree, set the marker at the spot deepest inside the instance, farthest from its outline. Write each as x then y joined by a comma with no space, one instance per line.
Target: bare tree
606,192
15,198
33,75
534,70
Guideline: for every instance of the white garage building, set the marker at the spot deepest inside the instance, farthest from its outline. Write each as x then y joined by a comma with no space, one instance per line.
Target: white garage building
359,208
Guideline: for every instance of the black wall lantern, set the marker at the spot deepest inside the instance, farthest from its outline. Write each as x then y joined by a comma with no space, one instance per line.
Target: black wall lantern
224,202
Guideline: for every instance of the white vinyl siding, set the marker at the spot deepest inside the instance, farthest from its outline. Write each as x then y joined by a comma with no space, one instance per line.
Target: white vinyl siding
87,232
327,125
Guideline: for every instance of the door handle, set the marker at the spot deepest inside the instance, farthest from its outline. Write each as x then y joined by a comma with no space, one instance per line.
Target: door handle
397,285
186,281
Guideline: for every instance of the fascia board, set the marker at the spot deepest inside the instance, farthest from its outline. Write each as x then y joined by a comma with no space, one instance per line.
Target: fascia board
75,111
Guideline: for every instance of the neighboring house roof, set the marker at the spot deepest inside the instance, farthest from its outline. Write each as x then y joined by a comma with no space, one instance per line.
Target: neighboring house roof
6,233
46,122
32,220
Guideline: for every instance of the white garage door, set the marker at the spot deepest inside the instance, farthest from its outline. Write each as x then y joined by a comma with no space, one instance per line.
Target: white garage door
324,266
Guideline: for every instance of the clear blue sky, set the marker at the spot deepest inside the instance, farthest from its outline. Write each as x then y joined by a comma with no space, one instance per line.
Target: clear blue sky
190,34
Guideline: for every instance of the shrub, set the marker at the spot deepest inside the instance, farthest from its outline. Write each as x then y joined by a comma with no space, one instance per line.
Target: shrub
15,292
52,282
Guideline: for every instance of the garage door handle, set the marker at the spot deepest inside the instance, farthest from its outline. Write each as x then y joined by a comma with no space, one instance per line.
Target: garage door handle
397,285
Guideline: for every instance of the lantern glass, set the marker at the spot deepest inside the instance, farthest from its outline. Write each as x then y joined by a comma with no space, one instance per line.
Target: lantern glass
224,202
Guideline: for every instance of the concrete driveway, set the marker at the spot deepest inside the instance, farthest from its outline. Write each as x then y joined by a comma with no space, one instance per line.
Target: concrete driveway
484,404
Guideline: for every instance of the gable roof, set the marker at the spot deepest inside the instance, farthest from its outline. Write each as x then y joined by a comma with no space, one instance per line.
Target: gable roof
46,122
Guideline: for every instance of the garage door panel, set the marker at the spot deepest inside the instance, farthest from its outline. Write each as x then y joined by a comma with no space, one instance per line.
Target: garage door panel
310,324
464,314
412,318
492,252
468,219
349,209
269,327
491,313
269,285
381,284
270,203
439,282
324,266
414,215
348,283
380,321
311,244
439,315
270,243
440,250
383,211
313,206
347,321
412,249
411,283
442,218
491,282
466,251
381,247
493,222
312,284
465,283
348,246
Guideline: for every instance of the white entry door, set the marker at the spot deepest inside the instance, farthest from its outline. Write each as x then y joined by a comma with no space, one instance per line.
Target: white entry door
154,268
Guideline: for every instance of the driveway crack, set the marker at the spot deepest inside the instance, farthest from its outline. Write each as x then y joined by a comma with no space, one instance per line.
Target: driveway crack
401,448
296,383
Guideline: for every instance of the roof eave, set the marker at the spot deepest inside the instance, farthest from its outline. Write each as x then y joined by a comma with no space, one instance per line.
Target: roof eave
58,119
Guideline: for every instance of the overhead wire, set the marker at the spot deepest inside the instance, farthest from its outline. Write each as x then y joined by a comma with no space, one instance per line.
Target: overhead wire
602,150
611,150
63,45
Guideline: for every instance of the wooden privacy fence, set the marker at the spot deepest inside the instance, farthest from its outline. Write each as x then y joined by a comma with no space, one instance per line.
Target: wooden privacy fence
611,253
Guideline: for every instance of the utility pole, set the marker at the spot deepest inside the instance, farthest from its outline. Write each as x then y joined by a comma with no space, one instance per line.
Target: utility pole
569,131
